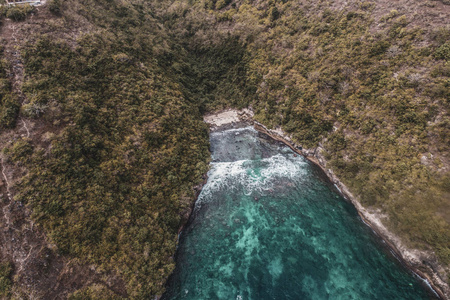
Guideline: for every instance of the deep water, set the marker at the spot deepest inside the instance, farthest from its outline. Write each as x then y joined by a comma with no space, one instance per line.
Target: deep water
268,225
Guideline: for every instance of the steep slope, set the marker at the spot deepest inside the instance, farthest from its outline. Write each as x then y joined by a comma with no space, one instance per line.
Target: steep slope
107,168
364,85
99,164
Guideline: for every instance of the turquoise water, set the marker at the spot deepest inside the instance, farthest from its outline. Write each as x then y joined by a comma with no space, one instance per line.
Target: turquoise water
267,225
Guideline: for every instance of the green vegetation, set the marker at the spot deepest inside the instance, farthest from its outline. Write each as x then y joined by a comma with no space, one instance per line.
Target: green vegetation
17,12
5,279
94,292
384,93
316,72
112,178
129,150
54,6
9,107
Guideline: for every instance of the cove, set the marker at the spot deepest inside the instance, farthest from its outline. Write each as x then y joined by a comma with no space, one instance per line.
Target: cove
269,225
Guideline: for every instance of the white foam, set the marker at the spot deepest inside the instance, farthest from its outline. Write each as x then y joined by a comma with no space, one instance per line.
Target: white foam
427,283
335,185
257,176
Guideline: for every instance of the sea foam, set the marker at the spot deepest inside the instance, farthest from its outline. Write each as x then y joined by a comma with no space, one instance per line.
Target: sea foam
242,175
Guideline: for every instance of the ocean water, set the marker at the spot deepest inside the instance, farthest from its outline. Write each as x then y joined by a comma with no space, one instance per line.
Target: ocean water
268,225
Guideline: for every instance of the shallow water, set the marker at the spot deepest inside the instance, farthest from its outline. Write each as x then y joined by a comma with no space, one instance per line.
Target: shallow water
267,225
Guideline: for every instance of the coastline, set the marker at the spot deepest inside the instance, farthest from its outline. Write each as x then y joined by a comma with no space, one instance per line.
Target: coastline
421,263
186,214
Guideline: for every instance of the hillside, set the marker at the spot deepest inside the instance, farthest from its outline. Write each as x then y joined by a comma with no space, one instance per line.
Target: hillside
102,137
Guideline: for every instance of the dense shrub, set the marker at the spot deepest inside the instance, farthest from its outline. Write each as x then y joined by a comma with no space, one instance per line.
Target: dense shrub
110,189
94,292
19,13
222,3
54,6
5,280
443,52
21,150
9,106
9,111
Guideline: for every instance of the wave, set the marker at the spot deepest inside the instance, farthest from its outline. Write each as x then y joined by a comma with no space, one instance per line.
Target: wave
253,177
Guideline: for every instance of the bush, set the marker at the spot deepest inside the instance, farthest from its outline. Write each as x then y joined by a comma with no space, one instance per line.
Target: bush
5,280
9,109
19,13
379,48
94,292
54,6
337,141
21,150
274,14
443,52
368,126
16,14
222,4
442,70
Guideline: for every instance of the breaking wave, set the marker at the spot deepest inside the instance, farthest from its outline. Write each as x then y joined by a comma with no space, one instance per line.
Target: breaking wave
268,175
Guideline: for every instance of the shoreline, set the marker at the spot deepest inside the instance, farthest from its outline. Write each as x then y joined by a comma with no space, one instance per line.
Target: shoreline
412,259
